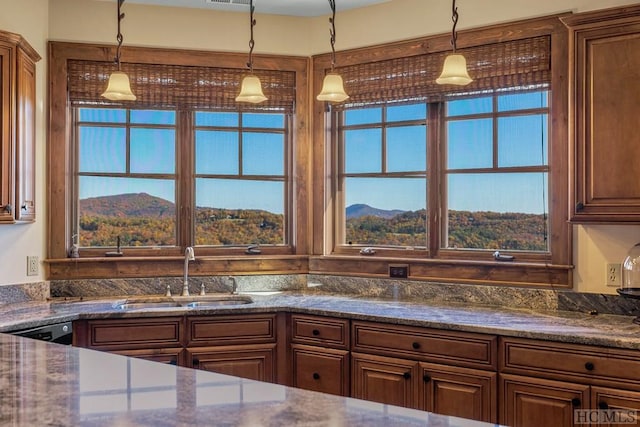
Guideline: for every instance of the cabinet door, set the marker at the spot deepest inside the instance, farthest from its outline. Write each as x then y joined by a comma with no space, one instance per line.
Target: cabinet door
320,369
170,356
626,405
6,136
605,48
256,362
533,402
25,205
384,379
459,392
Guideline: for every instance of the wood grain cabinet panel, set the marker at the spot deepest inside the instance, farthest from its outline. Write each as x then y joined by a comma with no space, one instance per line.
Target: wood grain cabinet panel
320,369
226,330
170,356
256,362
128,334
627,402
384,379
604,48
319,330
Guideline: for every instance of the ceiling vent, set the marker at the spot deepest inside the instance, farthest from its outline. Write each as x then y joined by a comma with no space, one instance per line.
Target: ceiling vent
228,2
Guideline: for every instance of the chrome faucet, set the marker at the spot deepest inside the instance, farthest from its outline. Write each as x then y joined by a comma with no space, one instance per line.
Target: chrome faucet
188,256
234,285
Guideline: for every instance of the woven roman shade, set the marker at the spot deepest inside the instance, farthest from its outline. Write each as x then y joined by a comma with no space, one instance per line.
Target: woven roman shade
513,65
178,86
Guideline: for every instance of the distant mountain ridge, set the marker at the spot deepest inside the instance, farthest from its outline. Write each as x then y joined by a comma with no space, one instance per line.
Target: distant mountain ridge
127,205
359,210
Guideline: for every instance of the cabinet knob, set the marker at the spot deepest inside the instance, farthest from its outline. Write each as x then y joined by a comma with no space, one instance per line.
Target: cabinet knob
576,402
603,405
315,332
8,208
406,375
415,345
426,378
196,362
173,362
589,366
316,376
579,206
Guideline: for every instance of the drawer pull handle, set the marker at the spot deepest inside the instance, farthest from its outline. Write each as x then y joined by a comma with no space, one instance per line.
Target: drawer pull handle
589,366
426,378
406,375
315,332
316,376
173,362
603,405
415,345
576,402
196,362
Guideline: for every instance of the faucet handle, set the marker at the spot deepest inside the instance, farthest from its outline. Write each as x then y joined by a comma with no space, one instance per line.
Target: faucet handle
168,294
202,292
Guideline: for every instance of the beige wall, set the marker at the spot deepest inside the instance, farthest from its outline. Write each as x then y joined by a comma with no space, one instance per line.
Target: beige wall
94,21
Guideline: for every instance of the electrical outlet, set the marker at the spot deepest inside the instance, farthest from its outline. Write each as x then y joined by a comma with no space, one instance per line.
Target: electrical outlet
399,271
33,265
614,278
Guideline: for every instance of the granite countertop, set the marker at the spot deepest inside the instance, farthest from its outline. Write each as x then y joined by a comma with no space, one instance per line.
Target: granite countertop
45,384
562,326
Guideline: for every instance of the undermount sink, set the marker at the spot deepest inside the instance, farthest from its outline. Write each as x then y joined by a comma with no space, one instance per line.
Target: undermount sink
202,301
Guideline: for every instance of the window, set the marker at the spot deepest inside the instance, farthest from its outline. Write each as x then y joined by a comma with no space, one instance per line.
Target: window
443,177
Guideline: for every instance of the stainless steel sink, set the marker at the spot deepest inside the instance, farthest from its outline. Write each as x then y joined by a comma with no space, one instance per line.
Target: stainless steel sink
202,301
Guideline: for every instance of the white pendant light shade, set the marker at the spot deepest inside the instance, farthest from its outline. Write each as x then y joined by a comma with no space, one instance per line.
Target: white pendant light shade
332,89
251,90
454,71
118,88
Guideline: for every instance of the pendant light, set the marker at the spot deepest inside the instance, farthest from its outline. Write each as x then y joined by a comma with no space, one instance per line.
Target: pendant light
454,71
118,88
332,86
251,88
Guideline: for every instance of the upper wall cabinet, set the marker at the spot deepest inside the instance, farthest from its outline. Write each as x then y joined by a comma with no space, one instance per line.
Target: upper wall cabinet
17,128
605,73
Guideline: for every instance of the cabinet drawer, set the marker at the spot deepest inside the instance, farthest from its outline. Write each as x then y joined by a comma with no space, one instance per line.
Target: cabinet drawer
130,334
225,330
318,330
453,348
319,369
573,362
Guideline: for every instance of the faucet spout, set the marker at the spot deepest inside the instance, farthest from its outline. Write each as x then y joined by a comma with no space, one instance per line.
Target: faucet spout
188,256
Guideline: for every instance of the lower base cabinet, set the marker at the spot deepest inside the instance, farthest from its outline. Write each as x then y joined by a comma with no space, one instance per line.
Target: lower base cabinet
447,390
320,369
254,362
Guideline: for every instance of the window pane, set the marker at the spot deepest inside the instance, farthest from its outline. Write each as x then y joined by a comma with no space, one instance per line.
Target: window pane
217,119
363,150
256,120
153,117
102,115
522,140
407,148
102,149
522,101
362,116
217,152
153,150
407,112
470,144
497,211
140,211
262,153
468,106
239,212
386,211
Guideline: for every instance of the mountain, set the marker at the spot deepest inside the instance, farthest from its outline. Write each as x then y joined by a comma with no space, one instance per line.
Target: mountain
127,205
359,210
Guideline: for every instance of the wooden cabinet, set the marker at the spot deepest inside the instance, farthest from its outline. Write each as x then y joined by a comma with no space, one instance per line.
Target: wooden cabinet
543,383
604,48
256,362
320,354
457,388
17,128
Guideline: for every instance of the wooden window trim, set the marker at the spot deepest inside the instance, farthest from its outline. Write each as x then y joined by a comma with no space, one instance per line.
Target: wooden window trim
147,262
553,270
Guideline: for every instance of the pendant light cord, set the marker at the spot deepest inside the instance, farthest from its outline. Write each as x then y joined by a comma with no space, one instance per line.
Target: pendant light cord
332,33
454,18
252,23
119,36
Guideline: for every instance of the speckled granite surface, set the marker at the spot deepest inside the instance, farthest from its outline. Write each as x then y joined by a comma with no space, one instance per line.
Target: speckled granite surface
47,384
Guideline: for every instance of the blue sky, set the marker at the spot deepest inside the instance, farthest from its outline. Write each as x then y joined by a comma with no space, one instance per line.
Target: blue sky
522,142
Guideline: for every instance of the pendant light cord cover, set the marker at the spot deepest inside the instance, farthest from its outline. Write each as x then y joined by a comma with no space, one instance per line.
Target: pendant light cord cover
454,18
119,37
252,23
332,33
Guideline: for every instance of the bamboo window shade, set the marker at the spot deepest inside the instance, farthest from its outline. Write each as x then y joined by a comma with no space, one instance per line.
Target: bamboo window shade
516,65
178,86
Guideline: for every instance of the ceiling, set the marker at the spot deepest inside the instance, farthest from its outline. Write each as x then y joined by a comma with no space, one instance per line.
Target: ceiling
274,7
